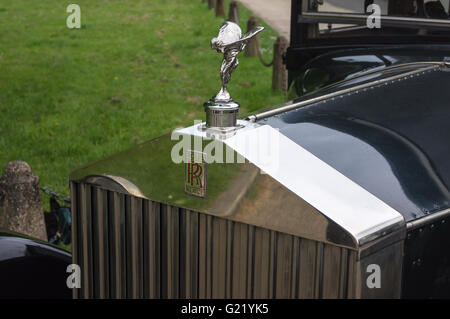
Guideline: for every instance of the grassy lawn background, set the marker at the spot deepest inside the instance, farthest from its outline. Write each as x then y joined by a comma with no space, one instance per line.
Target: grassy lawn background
135,70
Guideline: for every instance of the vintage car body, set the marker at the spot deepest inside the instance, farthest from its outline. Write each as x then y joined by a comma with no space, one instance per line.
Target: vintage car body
359,179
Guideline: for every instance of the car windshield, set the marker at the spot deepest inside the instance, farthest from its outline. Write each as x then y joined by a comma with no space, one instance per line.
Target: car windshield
325,19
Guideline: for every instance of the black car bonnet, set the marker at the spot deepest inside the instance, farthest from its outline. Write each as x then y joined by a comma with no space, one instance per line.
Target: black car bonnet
393,139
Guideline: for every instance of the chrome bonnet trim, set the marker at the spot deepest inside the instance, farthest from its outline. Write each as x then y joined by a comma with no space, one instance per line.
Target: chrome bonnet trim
427,220
334,195
292,106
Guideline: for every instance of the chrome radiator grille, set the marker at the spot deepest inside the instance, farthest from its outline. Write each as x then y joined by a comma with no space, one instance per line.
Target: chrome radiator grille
129,247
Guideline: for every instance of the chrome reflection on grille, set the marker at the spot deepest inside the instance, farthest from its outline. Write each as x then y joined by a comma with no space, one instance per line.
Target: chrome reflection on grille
129,247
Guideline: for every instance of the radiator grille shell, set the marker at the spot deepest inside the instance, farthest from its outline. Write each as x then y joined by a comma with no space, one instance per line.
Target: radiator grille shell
130,247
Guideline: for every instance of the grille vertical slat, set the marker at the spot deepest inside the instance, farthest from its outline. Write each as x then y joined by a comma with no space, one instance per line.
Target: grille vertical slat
185,266
152,252
118,245
229,259
273,263
209,256
343,275
284,266
262,263
205,255
170,252
129,247
239,268
202,256
134,247
332,256
250,261
351,274
100,243
219,254
318,293
75,229
85,251
189,255
307,275
295,267
193,275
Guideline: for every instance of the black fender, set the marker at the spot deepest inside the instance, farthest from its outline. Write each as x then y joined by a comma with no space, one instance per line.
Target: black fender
31,268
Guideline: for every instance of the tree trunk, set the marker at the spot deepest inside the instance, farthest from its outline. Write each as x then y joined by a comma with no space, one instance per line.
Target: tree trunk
279,72
233,12
253,44
220,8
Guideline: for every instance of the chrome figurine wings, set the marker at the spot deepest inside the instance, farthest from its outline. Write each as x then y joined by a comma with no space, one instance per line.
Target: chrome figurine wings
230,42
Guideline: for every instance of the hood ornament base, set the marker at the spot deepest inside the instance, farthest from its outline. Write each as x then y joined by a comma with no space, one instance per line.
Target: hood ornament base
221,114
221,118
221,110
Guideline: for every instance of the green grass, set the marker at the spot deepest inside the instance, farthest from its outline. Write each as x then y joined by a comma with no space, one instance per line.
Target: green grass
135,70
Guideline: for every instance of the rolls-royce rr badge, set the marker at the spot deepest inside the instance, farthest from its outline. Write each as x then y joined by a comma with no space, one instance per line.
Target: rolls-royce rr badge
195,174
221,110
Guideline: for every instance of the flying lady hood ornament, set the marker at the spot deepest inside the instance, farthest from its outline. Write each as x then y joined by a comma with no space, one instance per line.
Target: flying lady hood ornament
221,110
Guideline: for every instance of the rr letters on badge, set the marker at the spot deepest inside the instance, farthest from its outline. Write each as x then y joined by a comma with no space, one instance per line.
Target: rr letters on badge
195,174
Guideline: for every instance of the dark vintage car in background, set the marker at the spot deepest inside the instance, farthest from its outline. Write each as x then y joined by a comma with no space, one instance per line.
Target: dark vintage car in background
30,268
361,181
